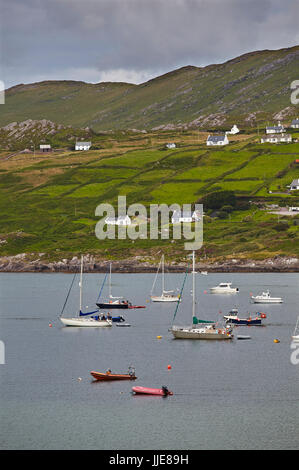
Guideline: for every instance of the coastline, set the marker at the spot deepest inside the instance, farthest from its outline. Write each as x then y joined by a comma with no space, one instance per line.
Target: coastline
19,264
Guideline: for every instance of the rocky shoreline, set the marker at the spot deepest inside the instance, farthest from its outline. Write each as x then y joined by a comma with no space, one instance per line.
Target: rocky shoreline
21,263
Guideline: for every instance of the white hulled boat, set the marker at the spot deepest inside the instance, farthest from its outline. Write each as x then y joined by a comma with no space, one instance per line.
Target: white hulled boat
166,296
200,329
295,336
265,298
224,288
94,321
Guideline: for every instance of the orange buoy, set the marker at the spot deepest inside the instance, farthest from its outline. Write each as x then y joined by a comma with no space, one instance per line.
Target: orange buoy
50,325
169,367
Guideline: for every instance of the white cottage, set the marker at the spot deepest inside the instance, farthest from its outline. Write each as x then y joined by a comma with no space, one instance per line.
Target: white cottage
276,138
234,130
217,139
294,185
121,220
295,123
184,216
45,148
82,145
279,129
171,146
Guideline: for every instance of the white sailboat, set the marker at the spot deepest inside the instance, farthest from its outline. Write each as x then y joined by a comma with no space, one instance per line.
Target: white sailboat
265,298
113,302
83,319
295,336
166,296
198,328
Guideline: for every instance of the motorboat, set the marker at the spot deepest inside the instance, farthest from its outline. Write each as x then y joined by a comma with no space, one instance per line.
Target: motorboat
224,288
265,298
163,392
108,376
233,319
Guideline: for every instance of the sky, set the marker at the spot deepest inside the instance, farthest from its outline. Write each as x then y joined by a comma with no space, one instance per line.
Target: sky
134,40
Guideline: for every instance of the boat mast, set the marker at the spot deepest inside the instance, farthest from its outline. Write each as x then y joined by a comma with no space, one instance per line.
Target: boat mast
81,277
163,282
193,286
110,294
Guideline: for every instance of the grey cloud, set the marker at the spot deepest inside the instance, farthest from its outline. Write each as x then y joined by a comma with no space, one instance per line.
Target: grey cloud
140,35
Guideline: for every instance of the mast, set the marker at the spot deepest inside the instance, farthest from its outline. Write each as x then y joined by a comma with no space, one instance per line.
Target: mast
81,277
193,286
110,294
163,282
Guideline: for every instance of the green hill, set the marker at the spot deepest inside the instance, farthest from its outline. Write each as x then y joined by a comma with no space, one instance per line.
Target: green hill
249,89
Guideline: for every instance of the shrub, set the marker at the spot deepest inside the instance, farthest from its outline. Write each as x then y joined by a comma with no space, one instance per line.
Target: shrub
281,227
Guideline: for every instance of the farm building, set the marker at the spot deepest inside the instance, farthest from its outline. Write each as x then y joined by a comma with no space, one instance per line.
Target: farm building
45,148
294,185
276,138
217,140
82,145
184,216
279,129
295,123
171,146
121,220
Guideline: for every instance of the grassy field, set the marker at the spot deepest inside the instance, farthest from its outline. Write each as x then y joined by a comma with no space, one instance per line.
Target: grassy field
47,203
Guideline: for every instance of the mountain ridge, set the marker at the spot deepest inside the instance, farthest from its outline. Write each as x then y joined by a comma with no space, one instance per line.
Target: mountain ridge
251,88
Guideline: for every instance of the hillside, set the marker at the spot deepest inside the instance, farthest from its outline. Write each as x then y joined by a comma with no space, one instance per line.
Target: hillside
249,89
47,202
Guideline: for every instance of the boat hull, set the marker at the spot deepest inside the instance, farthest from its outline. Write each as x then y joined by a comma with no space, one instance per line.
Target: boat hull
267,301
165,298
244,321
109,377
150,391
86,322
111,305
216,290
199,333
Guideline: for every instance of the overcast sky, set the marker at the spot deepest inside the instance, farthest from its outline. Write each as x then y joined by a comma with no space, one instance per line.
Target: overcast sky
134,40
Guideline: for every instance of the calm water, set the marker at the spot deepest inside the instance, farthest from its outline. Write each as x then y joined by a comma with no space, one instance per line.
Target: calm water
227,395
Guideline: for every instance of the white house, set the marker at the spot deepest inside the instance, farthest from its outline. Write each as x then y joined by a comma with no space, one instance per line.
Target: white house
217,140
184,216
45,148
82,145
294,185
276,138
171,146
234,130
121,220
279,129
295,123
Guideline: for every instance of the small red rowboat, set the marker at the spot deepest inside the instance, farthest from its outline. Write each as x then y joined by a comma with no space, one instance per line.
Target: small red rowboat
109,376
163,392
136,306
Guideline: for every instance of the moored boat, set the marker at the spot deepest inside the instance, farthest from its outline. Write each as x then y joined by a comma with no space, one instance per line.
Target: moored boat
265,298
233,319
224,288
108,376
163,392
166,296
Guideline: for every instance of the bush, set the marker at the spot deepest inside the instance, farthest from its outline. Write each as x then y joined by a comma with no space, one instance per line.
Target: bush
218,199
281,227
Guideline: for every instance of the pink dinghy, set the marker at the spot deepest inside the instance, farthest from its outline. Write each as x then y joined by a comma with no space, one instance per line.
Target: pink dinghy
163,392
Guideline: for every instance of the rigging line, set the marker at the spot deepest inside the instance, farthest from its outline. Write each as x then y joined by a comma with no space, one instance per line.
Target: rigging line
102,287
68,294
154,283
180,297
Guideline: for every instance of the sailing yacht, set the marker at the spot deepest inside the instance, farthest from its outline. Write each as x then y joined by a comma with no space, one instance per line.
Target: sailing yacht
166,296
295,336
113,302
95,321
208,331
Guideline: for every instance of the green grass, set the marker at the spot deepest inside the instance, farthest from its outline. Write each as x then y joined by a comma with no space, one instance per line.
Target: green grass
56,215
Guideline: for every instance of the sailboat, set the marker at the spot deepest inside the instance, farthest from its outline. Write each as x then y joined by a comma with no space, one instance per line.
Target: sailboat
113,302
81,319
166,296
295,336
198,330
